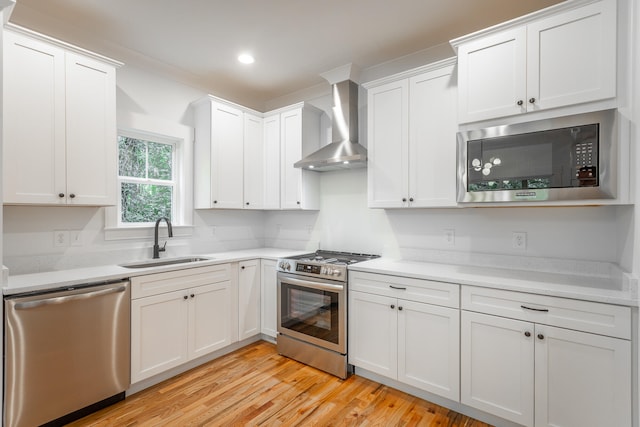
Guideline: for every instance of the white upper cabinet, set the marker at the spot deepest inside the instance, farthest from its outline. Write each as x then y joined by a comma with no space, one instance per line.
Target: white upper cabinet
299,136
254,162
412,138
59,124
218,155
559,59
271,161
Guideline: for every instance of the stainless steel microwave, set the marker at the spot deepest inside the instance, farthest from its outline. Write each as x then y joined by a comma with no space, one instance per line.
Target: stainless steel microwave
567,158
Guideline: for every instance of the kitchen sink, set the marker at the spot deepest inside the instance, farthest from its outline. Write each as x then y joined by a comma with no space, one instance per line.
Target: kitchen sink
161,262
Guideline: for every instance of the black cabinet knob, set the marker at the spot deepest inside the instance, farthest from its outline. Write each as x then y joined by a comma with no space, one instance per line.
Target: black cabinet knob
527,334
192,295
247,203
520,102
185,297
540,336
298,202
400,308
411,199
73,196
393,306
532,100
242,267
215,201
404,199
61,195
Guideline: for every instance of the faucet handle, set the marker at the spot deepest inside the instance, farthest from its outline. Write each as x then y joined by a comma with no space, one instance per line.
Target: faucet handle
164,247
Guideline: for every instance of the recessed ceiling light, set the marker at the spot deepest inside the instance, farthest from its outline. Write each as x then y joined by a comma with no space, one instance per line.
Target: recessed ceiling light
311,166
245,58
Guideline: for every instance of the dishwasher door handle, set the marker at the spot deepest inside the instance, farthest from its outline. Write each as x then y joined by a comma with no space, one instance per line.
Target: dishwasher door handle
64,299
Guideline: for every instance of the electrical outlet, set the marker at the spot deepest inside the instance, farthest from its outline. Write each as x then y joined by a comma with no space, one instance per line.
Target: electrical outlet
450,237
519,240
61,238
75,237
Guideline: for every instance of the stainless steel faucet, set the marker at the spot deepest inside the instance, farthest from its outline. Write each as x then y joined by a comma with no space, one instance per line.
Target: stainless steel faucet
156,247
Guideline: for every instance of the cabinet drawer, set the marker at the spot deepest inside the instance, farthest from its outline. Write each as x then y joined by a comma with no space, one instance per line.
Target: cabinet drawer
598,318
155,284
425,291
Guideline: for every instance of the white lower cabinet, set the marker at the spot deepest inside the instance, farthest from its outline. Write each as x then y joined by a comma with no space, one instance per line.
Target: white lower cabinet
540,375
397,331
179,316
249,299
268,297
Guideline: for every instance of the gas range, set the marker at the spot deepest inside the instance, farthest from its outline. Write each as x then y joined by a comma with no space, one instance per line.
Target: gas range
322,264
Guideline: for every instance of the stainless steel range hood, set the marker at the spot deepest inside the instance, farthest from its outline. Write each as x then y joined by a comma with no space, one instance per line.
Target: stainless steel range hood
344,152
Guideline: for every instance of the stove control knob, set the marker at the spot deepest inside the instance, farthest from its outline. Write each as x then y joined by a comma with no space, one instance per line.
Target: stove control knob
285,266
336,272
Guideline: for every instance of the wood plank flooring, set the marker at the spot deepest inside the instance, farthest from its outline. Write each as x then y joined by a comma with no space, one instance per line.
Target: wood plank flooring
254,386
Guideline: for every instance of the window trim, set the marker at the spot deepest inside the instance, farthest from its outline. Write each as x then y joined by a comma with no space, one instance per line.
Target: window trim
143,126
174,182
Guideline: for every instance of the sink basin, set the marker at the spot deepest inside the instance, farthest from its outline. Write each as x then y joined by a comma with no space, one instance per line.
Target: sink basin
161,262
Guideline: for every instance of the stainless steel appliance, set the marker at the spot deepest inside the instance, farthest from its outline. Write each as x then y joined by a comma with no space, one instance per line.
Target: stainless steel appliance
312,309
67,353
566,158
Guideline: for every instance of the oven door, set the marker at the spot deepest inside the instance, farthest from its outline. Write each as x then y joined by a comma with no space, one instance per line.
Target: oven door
313,310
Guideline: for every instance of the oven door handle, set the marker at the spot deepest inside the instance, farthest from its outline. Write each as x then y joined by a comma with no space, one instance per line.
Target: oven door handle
314,285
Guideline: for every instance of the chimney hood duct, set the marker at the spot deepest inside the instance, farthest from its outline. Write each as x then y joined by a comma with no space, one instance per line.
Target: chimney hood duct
344,152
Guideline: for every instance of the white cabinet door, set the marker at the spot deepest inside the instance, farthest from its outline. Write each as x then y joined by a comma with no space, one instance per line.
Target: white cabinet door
571,57
388,117
249,299
497,366
291,136
581,379
492,76
432,139
33,121
91,131
268,298
373,333
253,162
210,317
227,125
271,164
429,348
158,334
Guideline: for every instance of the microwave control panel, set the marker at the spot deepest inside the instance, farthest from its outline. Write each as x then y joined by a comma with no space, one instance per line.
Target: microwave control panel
586,164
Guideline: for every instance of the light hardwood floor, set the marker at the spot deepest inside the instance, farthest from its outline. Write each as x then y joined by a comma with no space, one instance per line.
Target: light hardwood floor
254,386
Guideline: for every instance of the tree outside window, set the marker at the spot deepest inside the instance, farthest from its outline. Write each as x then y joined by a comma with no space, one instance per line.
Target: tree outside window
147,181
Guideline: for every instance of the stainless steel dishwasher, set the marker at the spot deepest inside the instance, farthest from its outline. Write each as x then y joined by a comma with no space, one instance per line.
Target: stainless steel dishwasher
66,352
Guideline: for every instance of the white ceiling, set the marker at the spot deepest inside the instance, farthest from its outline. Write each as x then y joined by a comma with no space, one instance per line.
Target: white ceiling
197,41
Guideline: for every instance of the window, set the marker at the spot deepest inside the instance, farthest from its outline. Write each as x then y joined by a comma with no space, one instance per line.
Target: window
147,180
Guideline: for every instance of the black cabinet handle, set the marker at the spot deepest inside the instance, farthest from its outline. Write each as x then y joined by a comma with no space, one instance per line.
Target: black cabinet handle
393,306
540,336
532,100
398,287
520,102
411,199
542,310
193,295
247,203
298,202
527,334
73,196
215,201
404,199
400,308
61,195
185,297
242,267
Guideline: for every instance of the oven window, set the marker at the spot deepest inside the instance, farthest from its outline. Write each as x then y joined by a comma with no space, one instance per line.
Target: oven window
310,311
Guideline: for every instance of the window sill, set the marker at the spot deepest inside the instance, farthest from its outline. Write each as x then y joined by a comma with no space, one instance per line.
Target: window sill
145,232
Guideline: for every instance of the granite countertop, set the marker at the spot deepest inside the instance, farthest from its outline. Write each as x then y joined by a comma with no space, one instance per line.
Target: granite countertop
616,288
104,273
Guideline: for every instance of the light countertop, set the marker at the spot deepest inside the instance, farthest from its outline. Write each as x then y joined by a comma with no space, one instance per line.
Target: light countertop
104,273
614,289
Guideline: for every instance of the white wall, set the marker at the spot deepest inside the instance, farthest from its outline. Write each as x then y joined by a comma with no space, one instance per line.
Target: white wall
344,223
